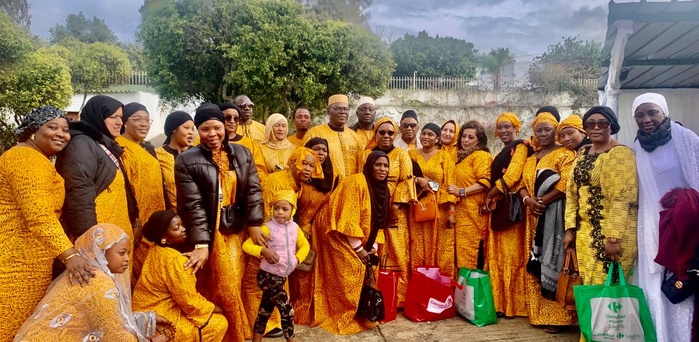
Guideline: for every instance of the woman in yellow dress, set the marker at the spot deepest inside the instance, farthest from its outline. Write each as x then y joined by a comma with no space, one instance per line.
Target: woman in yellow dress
30,229
505,260
358,209
276,147
142,168
544,180
400,182
231,113
217,182
299,169
432,242
472,180
449,138
99,311
169,290
179,133
313,198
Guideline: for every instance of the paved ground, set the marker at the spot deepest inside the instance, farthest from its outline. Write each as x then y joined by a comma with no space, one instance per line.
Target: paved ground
455,329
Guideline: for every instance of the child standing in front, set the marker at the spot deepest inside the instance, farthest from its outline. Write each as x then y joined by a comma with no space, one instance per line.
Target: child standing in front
287,248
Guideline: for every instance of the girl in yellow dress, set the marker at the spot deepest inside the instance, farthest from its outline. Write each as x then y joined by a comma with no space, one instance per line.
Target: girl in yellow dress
179,133
432,242
544,180
30,229
472,177
505,259
276,148
166,288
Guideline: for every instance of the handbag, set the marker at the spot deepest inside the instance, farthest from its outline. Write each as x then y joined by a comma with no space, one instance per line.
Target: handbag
508,210
371,304
229,215
677,290
426,208
569,277
307,263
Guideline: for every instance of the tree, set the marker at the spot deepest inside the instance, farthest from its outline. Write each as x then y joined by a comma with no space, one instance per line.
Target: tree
18,11
494,61
268,49
564,65
84,30
433,56
354,12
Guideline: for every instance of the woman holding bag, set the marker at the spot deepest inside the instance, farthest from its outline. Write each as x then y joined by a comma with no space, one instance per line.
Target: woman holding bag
505,245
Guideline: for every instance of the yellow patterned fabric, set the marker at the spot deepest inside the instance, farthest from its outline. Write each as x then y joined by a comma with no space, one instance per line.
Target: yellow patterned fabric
111,206
344,148
310,202
169,290
220,280
543,311
260,163
275,160
509,117
30,233
472,227
432,243
255,131
146,179
396,251
167,168
338,274
252,295
365,136
294,140
602,202
452,148
505,259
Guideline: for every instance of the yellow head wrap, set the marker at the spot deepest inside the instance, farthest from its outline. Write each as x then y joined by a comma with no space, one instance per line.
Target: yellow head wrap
573,121
338,98
297,158
544,117
285,195
456,132
509,117
372,141
270,139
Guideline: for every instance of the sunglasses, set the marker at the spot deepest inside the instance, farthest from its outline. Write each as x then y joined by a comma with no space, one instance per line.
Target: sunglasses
595,124
230,118
247,105
409,125
384,132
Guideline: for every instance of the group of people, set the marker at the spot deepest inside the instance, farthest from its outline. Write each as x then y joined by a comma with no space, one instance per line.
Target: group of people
110,238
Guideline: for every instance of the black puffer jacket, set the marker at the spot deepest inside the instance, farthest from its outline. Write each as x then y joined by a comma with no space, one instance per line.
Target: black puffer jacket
196,178
87,171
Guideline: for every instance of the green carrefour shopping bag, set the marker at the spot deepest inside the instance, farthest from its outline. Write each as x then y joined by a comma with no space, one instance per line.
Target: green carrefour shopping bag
613,312
474,300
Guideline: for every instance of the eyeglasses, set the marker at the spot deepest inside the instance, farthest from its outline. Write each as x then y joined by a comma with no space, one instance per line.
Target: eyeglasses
595,124
340,109
247,105
384,132
138,120
409,125
230,118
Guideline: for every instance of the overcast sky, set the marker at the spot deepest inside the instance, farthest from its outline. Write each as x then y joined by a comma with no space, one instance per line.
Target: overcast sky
527,27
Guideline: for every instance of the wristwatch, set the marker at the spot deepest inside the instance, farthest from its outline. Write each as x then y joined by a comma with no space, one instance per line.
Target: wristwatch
462,192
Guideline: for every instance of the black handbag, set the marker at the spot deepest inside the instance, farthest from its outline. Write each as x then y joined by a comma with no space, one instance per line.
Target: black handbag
676,290
508,210
371,304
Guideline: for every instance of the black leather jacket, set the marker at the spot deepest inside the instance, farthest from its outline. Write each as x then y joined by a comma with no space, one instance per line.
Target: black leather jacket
196,178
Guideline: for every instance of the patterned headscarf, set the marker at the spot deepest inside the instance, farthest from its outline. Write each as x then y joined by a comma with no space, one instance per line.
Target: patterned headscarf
286,195
297,158
35,119
509,117
543,117
372,143
573,121
272,141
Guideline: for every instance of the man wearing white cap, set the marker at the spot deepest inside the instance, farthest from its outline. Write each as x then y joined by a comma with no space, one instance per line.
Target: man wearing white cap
344,144
366,113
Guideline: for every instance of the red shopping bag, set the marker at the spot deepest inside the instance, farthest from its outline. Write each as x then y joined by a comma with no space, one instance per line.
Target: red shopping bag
430,296
388,285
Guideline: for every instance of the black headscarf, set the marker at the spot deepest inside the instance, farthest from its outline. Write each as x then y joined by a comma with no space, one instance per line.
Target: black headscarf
131,109
326,184
378,192
434,128
97,109
409,114
608,113
206,112
228,105
173,121
157,225
549,109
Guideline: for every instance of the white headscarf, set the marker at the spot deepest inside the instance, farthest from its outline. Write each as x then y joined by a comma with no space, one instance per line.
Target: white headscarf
653,98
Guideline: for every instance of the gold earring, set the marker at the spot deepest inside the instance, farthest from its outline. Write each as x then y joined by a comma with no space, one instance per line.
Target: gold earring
163,241
33,136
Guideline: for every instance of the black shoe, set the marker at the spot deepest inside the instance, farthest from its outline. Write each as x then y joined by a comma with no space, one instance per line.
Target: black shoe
274,333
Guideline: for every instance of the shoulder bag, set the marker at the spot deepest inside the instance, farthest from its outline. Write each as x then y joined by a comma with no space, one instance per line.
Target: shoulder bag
508,210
